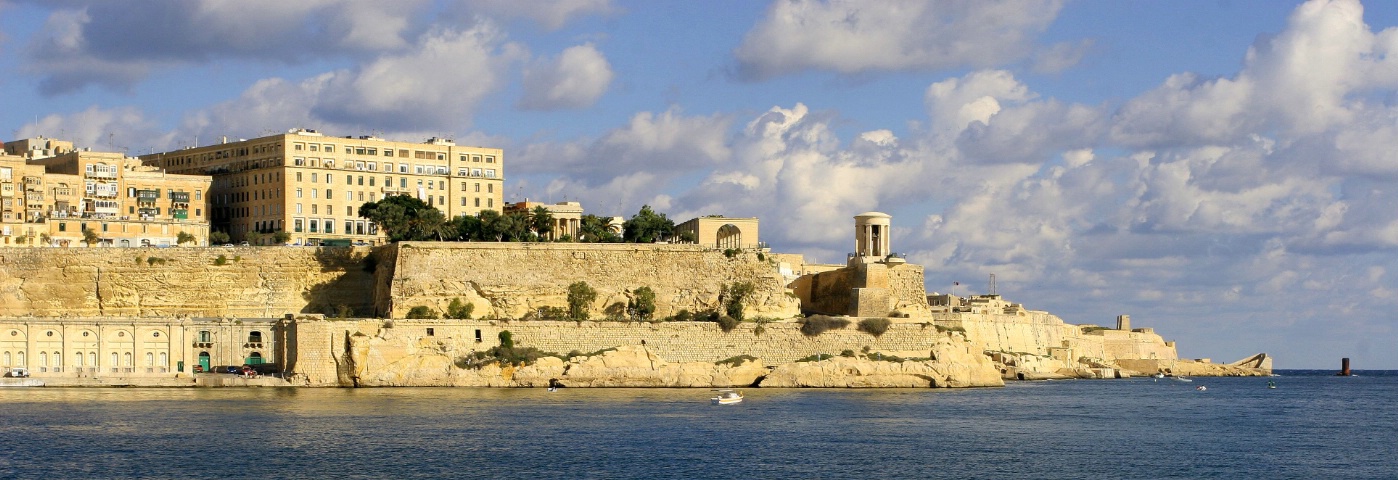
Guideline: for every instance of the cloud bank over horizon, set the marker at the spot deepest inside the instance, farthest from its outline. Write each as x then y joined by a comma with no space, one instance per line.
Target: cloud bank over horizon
1239,212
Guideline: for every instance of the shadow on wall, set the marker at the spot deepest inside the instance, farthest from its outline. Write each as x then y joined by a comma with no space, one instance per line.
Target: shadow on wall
350,293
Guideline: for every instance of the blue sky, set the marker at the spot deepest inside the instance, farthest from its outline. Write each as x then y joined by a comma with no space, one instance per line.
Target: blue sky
1224,171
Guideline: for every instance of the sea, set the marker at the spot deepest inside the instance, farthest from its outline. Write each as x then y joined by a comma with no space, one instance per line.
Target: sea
1313,425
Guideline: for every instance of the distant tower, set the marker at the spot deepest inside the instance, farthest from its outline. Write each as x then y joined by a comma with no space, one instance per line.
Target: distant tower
871,231
1123,322
992,284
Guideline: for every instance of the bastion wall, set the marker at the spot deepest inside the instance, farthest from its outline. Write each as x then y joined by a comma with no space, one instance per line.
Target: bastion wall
511,280
201,282
399,344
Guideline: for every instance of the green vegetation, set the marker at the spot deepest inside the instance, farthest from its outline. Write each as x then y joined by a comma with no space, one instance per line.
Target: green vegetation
547,313
507,339
90,237
731,252
942,329
421,312
183,238
646,226
459,310
817,324
727,323
253,237
815,358
280,237
580,297
642,304
218,238
732,297
574,354
221,260
153,261
874,326
736,361
403,217
1092,328
683,316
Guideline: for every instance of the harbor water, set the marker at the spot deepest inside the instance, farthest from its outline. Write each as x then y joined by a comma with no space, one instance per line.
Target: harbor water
1312,425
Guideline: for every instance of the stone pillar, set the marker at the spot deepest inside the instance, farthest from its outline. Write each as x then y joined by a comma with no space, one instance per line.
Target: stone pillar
1123,323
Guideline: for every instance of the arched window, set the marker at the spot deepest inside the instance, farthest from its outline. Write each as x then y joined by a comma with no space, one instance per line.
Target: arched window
7,359
57,359
43,359
127,356
78,359
164,360
92,358
150,359
21,358
114,360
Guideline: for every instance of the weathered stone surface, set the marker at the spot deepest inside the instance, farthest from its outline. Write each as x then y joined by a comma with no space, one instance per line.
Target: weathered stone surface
952,364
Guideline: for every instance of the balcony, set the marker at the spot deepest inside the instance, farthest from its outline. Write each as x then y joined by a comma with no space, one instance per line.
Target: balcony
179,197
147,196
203,344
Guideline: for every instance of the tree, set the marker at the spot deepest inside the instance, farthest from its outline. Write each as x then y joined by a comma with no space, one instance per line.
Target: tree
45,239
90,237
647,226
253,237
516,225
280,237
492,226
732,297
468,227
183,238
642,304
218,238
541,221
580,298
459,310
595,229
421,312
402,217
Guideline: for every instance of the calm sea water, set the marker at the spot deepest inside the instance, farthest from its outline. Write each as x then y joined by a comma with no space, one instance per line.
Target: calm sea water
1312,426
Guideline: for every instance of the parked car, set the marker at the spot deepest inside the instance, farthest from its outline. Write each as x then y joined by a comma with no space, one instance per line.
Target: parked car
18,372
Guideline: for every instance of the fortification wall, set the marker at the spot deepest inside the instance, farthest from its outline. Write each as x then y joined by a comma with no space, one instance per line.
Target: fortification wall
163,282
1041,333
407,344
510,280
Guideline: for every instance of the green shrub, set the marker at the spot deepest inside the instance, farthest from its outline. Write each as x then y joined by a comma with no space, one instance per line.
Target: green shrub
642,304
547,313
727,323
507,340
580,298
343,311
874,326
576,353
941,329
460,310
736,361
761,257
505,355
731,252
732,297
847,353
815,358
221,260
683,316
421,312
818,324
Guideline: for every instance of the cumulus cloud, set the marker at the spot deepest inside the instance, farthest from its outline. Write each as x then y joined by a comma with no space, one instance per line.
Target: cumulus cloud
575,79
667,144
110,130
853,37
552,14
113,43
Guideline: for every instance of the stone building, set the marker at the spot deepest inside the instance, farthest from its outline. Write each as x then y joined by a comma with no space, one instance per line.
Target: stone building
50,193
311,185
567,217
134,347
717,231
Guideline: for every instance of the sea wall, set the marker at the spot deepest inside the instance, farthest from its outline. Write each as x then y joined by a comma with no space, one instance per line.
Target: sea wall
203,282
1043,334
511,280
392,348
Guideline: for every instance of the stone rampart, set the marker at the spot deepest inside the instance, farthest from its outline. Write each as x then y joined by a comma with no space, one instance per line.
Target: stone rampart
511,280
202,282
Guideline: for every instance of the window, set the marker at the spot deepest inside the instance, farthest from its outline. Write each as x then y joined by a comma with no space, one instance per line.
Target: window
314,177
297,222
349,212
403,182
315,225
315,193
315,208
298,208
430,332
490,188
329,225
315,147
329,149
349,225
402,168
298,146
478,202
329,178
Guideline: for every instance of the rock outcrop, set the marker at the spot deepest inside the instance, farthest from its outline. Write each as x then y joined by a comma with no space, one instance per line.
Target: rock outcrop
951,364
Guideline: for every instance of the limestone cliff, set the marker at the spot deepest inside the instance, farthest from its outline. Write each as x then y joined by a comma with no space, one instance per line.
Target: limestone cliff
952,363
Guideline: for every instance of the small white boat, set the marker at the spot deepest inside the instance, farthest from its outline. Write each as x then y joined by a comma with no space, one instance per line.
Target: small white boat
1181,379
727,397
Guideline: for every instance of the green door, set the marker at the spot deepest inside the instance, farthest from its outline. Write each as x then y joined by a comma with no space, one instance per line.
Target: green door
255,359
204,361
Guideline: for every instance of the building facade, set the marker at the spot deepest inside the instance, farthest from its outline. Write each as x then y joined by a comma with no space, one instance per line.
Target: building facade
567,217
717,231
311,185
134,347
50,194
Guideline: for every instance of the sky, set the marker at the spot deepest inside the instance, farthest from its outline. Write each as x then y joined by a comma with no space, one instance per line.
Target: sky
1224,171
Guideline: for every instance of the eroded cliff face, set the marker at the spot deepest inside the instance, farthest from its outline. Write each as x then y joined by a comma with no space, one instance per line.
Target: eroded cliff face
514,280
952,364
204,282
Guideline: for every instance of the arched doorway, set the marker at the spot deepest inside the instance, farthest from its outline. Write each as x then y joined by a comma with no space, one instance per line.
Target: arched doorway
254,359
729,236
204,361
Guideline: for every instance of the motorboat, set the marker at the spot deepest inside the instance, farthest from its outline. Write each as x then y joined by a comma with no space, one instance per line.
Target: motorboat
1181,379
727,397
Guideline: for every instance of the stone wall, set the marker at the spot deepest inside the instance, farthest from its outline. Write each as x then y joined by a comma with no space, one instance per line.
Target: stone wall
400,343
1043,334
202,282
511,280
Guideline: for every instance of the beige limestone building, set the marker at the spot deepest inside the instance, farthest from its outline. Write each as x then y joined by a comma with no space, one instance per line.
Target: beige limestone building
567,217
134,347
50,193
312,185
717,231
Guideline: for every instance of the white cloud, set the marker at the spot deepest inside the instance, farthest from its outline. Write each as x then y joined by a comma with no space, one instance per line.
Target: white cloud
851,37
125,130
552,14
575,79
